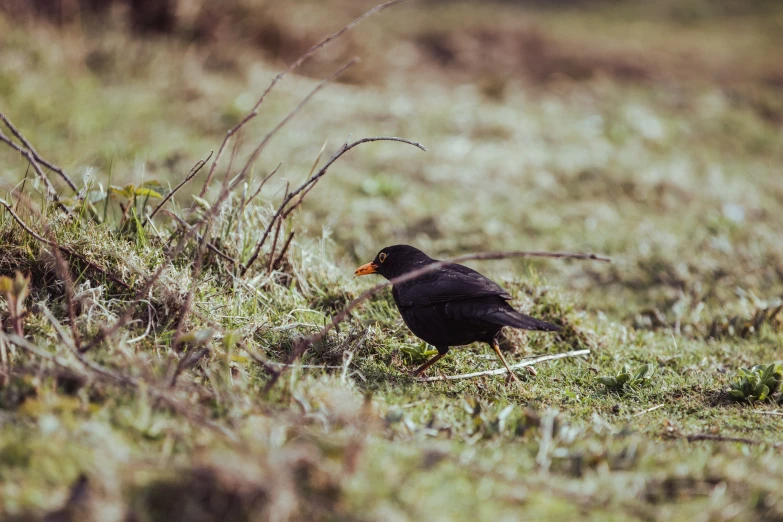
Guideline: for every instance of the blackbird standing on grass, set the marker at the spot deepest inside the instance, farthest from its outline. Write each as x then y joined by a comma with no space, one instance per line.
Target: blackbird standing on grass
449,306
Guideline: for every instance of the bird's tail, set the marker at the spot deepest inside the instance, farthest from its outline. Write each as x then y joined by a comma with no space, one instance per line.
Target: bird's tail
525,322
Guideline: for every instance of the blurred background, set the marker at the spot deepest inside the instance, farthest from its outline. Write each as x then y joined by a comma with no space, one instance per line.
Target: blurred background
648,131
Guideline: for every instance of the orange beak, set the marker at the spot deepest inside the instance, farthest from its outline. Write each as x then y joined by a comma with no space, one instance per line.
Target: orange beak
366,269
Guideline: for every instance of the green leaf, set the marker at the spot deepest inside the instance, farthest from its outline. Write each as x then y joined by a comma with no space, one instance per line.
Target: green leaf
737,394
141,191
609,382
120,191
641,372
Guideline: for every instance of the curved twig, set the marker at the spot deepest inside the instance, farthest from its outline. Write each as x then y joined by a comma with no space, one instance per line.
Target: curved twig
35,153
30,157
195,170
312,179
298,62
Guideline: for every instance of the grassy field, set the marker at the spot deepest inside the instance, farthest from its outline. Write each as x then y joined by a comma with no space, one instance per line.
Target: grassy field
140,370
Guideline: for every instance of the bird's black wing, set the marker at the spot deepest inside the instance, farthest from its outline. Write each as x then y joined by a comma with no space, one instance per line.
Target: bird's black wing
448,283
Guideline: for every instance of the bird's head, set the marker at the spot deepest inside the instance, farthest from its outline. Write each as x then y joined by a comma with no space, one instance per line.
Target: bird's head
395,261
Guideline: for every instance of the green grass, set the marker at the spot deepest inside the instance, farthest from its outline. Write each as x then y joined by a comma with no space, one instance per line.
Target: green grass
674,178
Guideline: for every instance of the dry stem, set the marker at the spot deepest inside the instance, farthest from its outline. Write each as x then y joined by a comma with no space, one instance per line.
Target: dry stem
298,62
501,371
195,170
312,179
33,152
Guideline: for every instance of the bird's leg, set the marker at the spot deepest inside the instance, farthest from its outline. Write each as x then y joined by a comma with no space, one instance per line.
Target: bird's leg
495,347
418,371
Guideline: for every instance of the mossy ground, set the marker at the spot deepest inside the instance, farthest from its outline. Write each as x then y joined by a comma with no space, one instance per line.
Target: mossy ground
637,133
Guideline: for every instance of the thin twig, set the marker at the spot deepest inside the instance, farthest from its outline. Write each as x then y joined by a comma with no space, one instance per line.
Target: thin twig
274,246
775,413
37,168
314,178
261,185
648,410
35,154
309,366
501,371
283,251
514,253
303,344
195,170
199,238
304,194
69,294
23,343
298,62
262,145
186,305
63,248
723,438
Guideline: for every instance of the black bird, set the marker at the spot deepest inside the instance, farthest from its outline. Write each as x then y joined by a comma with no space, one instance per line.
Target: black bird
449,306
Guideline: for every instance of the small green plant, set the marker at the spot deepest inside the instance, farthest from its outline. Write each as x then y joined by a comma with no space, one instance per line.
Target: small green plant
418,351
757,383
626,380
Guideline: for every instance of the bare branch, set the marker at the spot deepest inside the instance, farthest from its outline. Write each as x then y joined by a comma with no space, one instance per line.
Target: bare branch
199,237
648,410
50,190
35,154
501,371
274,246
189,360
65,271
185,308
283,251
195,170
723,438
312,179
257,151
298,62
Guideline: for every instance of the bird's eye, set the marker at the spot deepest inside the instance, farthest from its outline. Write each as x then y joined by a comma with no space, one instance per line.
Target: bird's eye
382,257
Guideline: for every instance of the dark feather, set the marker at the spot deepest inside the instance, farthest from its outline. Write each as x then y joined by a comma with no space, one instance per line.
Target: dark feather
449,283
